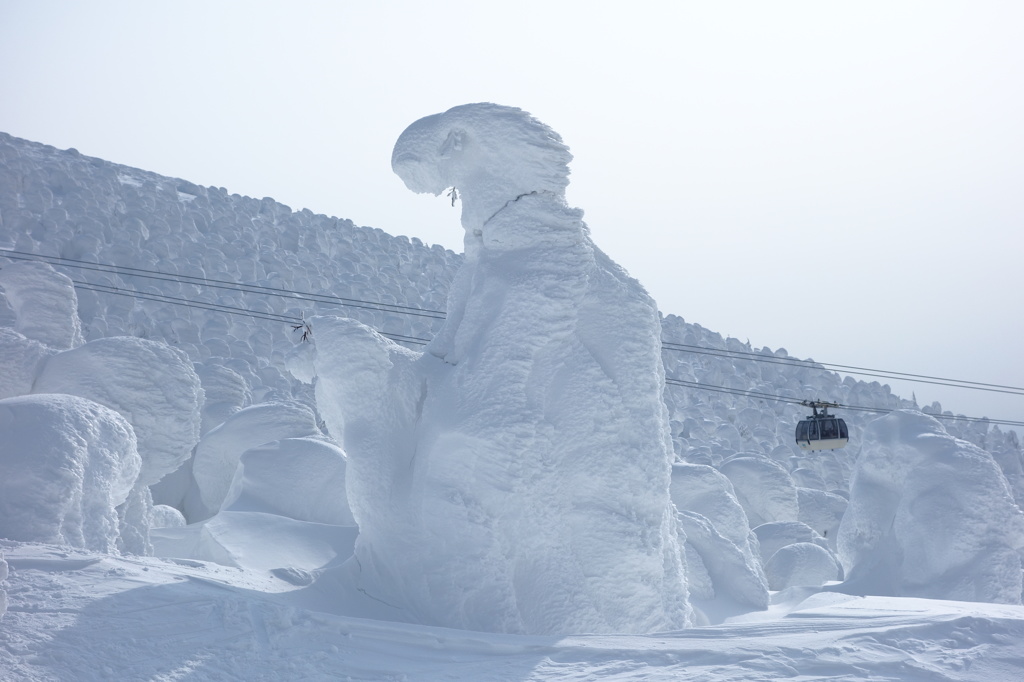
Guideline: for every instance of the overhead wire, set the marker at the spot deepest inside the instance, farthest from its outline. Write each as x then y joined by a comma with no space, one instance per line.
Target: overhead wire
858,408
186,302
223,284
437,314
735,391
273,317
846,369
217,307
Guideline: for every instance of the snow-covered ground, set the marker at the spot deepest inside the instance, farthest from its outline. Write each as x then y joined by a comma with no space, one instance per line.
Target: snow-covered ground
242,442
77,615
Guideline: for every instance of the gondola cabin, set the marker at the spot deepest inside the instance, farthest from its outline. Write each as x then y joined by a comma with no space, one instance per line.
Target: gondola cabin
821,431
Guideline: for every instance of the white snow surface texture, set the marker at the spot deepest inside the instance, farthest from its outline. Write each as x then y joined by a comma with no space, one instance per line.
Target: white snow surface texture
513,477
453,451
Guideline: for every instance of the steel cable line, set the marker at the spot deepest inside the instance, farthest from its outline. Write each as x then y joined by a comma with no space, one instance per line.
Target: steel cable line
221,308
848,369
189,303
735,391
859,408
286,319
437,314
224,284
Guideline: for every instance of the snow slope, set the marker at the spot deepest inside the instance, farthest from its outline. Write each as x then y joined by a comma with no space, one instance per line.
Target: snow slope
261,584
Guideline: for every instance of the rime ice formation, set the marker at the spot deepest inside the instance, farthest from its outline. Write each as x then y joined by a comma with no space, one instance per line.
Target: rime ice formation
763,487
515,476
823,512
729,581
150,383
705,490
226,392
19,359
218,453
299,478
44,304
772,537
164,516
37,319
930,516
66,464
723,564
801,564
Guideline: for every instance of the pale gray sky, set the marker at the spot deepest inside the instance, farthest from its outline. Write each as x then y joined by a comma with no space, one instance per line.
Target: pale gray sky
845,180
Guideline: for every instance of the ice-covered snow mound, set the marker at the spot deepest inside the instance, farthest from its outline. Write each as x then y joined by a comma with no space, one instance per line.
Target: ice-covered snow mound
723,565
150,383
44,304
66,464
763,487
930,516
772,537
257,540
822,511
300,478
38,318
226,392
705,490
801,564
515,475
218,453
722,580
284,508
20,358
164,516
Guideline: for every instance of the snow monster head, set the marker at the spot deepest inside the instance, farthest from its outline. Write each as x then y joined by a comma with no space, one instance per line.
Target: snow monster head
490,153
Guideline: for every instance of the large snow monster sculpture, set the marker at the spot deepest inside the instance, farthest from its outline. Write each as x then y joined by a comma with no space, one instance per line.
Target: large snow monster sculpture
514,476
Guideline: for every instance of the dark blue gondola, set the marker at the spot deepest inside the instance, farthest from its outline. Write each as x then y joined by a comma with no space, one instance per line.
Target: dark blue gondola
821,431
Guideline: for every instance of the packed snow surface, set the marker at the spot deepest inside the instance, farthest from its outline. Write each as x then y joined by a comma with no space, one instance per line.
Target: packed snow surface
490,447
76,615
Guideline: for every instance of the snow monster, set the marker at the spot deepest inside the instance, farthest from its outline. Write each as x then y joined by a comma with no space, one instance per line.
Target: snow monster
514,476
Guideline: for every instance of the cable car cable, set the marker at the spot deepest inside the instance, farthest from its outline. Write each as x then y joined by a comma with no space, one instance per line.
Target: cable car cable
858,408
436,314
231,286
848,369
230,310
285,319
